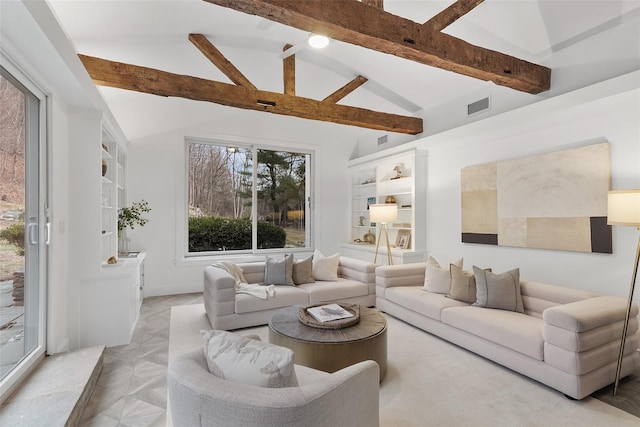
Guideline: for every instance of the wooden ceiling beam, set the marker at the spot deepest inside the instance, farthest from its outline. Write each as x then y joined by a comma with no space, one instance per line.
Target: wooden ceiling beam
219,60
346,89
289,72
162,83
353,22
375,3
451,14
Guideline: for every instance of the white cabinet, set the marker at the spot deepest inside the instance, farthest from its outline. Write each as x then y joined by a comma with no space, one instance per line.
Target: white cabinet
109,304
395,176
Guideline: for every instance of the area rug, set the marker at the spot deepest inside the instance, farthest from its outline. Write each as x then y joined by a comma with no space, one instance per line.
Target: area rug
431,382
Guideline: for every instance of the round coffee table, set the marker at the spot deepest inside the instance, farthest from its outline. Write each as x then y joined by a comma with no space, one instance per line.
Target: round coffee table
330,350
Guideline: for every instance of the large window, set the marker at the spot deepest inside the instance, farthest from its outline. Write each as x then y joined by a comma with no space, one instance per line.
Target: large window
246,199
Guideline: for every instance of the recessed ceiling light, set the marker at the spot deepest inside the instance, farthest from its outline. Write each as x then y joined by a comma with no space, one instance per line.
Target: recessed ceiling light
318,41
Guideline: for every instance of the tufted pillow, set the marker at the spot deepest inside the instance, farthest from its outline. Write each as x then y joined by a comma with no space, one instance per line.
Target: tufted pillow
438,279
248,361
325,267
279,271
303,270
500,291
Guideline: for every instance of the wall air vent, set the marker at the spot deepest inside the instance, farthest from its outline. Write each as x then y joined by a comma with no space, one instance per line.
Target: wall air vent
383,139
478,106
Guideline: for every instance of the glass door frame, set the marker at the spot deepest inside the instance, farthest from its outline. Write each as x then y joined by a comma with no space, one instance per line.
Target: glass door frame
36,199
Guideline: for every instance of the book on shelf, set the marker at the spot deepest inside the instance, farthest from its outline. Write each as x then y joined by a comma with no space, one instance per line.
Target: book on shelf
328,312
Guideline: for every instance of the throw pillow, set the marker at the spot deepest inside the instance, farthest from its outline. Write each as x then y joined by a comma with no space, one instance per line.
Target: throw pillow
438,279
248,361
279,271
303,270
463,285
325,267
500,291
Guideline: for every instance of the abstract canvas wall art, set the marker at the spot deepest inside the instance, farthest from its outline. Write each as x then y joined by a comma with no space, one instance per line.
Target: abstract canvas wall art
556,200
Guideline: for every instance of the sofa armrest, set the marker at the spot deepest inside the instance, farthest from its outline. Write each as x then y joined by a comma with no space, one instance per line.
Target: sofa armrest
219,293
588,314
401,275
355,269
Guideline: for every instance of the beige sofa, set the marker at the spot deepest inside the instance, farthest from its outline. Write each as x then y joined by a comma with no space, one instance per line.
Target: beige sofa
227,309
566,338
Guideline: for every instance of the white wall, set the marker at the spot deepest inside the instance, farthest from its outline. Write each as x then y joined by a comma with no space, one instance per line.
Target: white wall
607,111
156,173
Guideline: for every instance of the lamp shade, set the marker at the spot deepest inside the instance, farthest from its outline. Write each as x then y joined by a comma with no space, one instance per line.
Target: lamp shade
623,207
383,213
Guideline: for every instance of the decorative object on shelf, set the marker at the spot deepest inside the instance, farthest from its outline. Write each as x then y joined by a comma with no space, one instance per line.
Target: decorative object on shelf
105,148
623,208
398,171
369,237
370,201
390,199
384,213
368,181
104,167
129,217
112,260
362,218
403,240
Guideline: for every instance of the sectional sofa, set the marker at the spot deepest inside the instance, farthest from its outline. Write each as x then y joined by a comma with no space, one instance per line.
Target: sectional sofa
566,338
328,279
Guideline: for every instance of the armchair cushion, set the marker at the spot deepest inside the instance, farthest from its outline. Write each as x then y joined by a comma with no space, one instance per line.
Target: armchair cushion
248,361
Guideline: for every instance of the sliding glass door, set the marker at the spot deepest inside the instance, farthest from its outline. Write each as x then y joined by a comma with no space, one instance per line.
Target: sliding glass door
22,226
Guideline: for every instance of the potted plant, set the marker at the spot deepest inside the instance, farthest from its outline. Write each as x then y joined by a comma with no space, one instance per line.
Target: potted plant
129,217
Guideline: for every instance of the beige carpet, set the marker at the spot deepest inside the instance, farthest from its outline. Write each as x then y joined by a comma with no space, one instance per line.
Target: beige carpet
430,382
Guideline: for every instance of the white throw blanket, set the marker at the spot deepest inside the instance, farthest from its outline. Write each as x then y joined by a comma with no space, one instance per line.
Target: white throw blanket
242,287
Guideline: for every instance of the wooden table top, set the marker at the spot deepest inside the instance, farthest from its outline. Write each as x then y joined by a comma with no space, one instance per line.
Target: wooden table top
286,322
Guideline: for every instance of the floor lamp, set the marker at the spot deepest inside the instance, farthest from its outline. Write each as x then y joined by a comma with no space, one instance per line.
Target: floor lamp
623,208
383,214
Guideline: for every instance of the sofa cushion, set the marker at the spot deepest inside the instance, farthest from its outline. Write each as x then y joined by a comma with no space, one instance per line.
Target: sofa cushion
463,285
325,267
303,270
285,296
510,329
248,361
501,291
438,279
414,298
334,291
279,271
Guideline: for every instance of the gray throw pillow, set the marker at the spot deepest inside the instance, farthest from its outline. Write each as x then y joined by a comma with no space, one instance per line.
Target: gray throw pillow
303,270
500,291
279,271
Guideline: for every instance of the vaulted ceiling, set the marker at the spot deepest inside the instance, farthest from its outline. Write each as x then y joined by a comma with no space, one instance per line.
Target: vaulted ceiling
434,67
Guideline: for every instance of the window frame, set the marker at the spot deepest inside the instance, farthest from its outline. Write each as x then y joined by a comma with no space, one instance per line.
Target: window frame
184,257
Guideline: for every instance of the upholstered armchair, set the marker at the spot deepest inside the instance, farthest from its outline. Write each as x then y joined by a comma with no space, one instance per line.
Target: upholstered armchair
348,397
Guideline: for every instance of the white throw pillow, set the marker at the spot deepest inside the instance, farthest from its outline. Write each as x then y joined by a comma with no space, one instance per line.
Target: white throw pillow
325,267
437,279
248,361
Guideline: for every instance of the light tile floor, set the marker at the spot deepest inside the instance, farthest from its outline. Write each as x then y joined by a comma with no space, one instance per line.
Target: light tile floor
132,388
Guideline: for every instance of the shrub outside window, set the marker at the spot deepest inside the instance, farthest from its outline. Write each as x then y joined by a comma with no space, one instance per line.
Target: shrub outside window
246,199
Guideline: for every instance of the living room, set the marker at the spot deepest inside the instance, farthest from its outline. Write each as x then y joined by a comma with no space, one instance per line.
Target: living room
594,98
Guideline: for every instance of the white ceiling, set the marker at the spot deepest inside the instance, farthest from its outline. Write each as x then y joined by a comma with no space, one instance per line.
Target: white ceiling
583,41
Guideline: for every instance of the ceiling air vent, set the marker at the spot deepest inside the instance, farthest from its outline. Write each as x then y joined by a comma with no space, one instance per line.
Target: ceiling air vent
383,139
478,106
